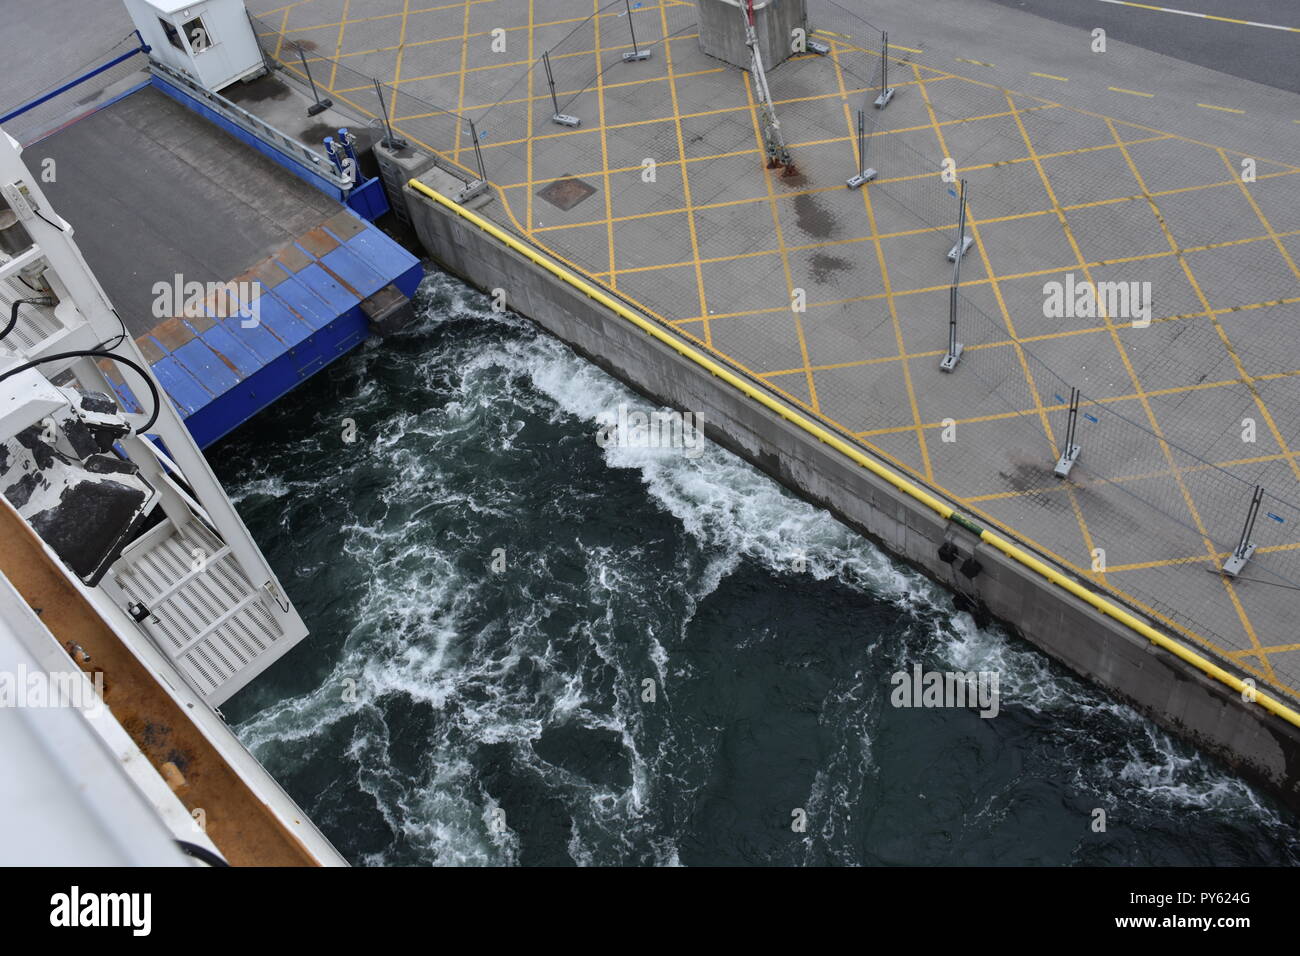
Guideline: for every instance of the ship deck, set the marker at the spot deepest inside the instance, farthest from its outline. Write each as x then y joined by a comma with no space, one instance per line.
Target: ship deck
152,190
160,197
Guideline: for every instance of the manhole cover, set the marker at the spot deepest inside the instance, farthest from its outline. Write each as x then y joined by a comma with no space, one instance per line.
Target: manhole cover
566,193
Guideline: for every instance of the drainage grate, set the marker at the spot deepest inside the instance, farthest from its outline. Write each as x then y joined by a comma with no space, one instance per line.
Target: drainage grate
566,193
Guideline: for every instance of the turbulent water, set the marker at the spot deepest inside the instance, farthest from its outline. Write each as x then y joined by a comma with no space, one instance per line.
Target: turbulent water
448,710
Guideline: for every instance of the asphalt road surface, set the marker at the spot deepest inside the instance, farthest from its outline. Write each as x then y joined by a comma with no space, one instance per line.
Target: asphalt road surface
1271,57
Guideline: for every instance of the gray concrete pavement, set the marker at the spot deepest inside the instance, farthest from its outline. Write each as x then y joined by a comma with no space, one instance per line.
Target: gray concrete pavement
45,41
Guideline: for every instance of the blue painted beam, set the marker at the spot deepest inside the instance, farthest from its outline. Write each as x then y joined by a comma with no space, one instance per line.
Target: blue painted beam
27,107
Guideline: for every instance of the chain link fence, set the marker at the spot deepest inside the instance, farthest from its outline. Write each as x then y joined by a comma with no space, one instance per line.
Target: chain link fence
77,92
1152,482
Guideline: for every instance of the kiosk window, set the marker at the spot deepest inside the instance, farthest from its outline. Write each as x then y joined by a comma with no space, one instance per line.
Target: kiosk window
197,33
173,37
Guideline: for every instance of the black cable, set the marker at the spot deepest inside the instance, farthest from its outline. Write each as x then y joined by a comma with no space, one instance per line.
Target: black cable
201,853
98,353
13,313
119,338
1276,584
54,224
49,301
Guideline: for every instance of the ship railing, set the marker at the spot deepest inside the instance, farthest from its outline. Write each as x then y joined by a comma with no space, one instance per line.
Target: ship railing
277,139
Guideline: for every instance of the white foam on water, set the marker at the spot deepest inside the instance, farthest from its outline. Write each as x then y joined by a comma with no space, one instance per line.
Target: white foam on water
839,789
731,508
412,637
416,633
1149,770
271,486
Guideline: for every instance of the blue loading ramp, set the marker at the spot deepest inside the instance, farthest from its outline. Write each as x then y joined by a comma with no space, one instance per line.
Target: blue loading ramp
154,190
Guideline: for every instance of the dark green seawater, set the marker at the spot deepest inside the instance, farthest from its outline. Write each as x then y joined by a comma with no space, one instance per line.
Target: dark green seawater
436,694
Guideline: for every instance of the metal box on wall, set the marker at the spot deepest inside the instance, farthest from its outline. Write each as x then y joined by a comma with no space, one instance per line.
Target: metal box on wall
722,29
211,40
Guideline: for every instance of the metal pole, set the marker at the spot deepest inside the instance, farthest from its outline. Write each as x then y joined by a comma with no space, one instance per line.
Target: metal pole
963,241
637,53
1070,453
1074,417
550,81
961,234
477,186
886,91
1251,514
478,151
267,63
863,174
562,119
320,106
884,61
949,361
862,142
777,153
1242,553
952,320
389,141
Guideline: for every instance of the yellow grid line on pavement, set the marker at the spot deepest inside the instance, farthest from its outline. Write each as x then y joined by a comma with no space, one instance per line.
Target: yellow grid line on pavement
528,193
279,42
1159,432
1037,337
722,111
1079,518
368,19
1021,413
604,146
574,54
1013,217
338,47
460,98
860,162
686,183
401,45
812,142
780,241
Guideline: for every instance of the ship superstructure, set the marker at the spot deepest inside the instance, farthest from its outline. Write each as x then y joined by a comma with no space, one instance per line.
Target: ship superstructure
135,566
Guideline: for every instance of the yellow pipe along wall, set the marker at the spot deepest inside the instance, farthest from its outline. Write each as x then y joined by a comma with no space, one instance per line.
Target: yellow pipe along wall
940,507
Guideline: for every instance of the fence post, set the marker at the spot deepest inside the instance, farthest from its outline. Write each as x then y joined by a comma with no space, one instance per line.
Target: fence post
563,119
863,174
886,91
389,141
267,63
637,53
963,243
321,105
950,360
1244,549
1070,453
478,186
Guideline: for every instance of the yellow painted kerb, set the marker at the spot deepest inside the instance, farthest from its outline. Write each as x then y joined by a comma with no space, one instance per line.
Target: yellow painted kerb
946,511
